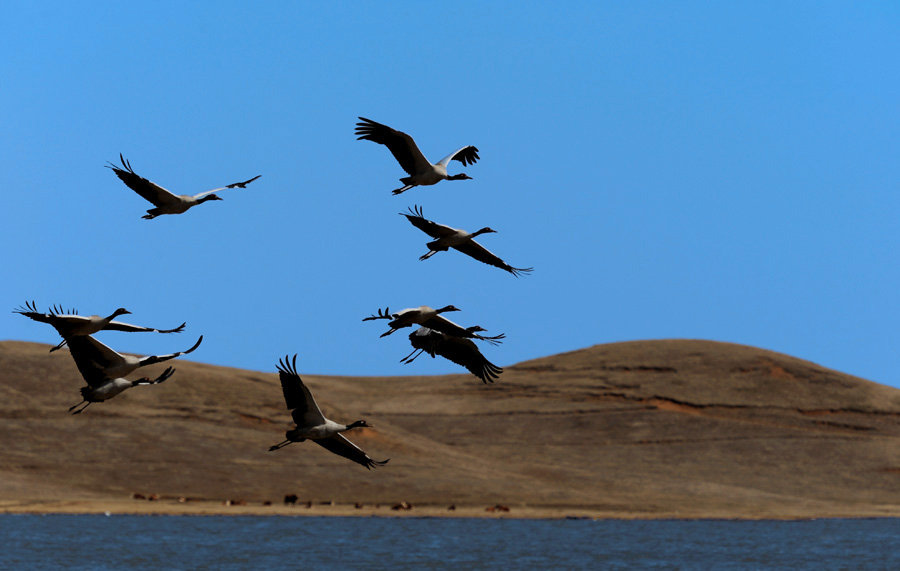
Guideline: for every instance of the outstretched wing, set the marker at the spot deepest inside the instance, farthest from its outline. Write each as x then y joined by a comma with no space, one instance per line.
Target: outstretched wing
149,190
466,155
119,326
151,359
464,352
243,184
93,359
399,143
31,312
297,397
160,379
433,229
475,250
63,322
343,447
444,325
461,351
232,185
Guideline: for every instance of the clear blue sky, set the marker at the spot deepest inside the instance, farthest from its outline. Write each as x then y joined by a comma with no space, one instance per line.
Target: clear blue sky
723,171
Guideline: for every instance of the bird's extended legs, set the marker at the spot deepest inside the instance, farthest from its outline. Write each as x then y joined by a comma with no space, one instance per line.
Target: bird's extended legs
60,346
279,445
80,410
404,189
412,356
428,255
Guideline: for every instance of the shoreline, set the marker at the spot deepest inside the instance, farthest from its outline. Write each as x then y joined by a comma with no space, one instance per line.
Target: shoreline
301,509
169,507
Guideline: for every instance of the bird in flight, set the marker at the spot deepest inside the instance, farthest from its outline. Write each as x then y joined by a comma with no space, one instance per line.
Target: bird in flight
101,369
70,324
164,201
420,170
457,349
460,240
430,317
312,424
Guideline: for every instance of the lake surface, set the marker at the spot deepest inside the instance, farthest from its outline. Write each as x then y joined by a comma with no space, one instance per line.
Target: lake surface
271,542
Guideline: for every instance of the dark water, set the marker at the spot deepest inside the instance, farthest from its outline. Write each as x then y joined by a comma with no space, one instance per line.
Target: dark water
184,542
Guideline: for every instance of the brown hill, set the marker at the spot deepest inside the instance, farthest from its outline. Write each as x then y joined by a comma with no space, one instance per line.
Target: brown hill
673,428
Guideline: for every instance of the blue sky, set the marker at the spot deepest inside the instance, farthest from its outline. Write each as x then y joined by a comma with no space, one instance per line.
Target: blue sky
722,171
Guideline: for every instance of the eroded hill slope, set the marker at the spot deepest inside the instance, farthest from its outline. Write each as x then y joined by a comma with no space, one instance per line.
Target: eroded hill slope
650,428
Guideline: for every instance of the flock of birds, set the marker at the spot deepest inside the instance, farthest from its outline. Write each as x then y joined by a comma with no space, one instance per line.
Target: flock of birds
104,369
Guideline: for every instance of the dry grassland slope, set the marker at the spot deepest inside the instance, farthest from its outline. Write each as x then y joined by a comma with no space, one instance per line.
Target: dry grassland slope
673,428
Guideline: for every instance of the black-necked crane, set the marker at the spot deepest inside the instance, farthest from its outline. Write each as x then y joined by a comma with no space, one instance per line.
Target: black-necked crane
421,171
457,349
165,201
91,353
101,387
104,370
70,324
430,317
460,240
312,424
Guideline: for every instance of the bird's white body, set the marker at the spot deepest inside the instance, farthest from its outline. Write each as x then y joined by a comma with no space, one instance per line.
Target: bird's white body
411,315
417,316
451,240
125,365
432,174
179,204
107,390
327,430
80,325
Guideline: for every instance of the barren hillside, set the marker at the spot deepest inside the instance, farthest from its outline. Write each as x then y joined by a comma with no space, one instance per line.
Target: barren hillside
649,429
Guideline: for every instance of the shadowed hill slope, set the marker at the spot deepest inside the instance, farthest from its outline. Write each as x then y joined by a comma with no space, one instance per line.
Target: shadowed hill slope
674,428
